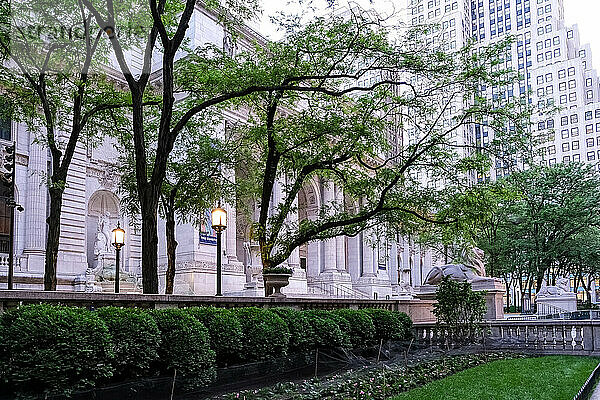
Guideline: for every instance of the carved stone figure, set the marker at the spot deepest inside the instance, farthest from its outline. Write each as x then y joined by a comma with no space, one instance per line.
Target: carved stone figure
562,288
404,287
229,45
472,269
101,245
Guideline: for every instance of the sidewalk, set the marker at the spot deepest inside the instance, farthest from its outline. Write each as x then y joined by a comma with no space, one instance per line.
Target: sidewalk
596,393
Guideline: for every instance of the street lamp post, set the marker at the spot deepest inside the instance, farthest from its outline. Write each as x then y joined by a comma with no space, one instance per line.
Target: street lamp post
118,240
219,223
11,240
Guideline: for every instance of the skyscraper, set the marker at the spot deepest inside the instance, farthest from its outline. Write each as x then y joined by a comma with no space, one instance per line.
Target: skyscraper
555,69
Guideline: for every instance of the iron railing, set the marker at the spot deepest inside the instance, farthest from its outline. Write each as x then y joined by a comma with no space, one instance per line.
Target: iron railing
335,291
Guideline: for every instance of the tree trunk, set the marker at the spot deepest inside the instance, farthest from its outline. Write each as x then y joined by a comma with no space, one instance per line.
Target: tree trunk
149,249
538,282
53,238
171,248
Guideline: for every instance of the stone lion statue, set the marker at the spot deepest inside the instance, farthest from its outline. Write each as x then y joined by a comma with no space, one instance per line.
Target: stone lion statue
472,269
563,286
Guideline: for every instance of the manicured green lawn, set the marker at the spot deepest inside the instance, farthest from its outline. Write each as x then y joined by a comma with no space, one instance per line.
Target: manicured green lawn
551,377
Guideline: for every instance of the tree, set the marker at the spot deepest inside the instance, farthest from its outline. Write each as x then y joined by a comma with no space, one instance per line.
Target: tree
340,131
541,231
314,60
168,22
197,178
459,309
51,79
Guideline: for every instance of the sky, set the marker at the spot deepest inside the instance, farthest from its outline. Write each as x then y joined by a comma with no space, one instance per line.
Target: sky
584,13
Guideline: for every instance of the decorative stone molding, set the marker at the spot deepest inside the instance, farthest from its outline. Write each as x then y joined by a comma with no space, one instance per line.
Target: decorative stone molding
203,266
105,173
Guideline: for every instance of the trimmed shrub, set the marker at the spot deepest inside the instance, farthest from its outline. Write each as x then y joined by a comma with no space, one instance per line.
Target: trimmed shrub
135,340
185,347
225,331
459,308
389,324
53,350
361,329
302,334
327,329
266,333
407,324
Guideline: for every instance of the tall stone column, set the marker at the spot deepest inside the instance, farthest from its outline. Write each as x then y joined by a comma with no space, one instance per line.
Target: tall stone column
313,260
35,207
340,241
329,244
369,263
231,235
294,258
354,256
231,231
393,264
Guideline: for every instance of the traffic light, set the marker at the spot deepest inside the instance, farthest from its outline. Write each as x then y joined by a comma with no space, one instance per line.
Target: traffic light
8,166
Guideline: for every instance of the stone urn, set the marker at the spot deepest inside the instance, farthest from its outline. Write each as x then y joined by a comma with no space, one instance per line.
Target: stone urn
274,281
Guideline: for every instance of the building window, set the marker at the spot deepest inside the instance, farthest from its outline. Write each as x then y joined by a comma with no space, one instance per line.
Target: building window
574,118
564,133
589,128
565,147
591,155
589,142
5,130
575,131
575,145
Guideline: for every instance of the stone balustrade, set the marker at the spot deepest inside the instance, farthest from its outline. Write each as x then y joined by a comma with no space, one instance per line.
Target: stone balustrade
540,336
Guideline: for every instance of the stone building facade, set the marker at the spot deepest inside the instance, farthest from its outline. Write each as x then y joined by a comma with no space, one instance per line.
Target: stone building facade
360,266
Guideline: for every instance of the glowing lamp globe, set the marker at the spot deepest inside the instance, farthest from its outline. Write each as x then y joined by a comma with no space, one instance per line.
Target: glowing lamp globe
219,219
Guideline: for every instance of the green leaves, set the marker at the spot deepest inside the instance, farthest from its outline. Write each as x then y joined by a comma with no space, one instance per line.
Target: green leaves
459,308
543,227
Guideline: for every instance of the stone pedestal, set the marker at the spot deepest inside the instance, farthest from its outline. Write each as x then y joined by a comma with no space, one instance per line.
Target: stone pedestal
376,287
297,284
494,292
200,278
556,304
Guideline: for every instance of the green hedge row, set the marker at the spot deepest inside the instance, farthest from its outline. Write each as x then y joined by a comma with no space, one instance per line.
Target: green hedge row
47,349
